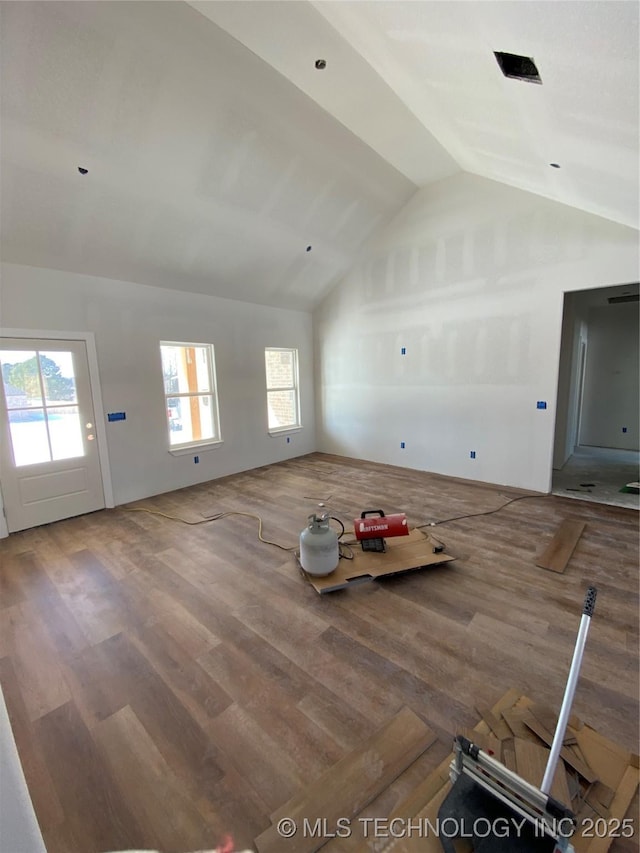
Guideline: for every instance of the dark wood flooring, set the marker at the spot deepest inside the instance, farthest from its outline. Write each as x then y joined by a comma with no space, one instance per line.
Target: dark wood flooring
168,684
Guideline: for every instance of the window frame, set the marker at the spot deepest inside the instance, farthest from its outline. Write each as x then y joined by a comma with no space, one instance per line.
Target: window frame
180,448
295,388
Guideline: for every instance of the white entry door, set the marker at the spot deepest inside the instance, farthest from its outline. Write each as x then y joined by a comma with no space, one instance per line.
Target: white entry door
49,461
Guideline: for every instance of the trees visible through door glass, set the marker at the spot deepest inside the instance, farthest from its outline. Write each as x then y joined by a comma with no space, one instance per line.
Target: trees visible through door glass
58,380
40,396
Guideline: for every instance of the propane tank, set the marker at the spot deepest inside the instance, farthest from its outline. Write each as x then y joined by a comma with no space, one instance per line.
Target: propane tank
319,550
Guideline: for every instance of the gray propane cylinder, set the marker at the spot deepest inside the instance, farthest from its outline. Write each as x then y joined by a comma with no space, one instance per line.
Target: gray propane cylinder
319,550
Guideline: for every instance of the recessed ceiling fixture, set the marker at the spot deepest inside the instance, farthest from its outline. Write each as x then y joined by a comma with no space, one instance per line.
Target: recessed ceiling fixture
321,64
82,170
518,67
555,165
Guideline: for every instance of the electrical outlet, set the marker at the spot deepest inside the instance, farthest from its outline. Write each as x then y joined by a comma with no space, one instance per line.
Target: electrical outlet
402,445
403,350
541,404
288,439
196,459
472,454
624,429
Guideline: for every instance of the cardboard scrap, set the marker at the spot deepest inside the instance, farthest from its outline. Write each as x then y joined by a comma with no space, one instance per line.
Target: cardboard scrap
599,797
565,753
515,721
509,754
603,794
575,789
498,726
590,837
549,720
487,742
403,554
531,763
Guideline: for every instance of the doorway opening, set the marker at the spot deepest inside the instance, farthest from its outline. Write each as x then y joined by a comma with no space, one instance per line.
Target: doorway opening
596,450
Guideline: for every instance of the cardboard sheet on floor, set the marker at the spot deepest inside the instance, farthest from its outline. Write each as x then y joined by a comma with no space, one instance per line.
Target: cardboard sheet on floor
403,554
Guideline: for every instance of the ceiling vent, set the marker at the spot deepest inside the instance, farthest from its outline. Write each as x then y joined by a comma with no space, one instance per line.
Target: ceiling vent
518,67
616,300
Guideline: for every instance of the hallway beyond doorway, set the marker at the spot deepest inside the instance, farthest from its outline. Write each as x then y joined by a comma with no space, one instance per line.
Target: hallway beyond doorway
597,474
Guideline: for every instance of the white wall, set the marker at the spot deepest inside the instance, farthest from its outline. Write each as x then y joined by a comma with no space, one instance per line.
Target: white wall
470,278
610,399
128,321
574,338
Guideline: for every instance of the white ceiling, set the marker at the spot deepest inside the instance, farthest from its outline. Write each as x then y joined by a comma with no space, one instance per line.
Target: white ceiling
217,152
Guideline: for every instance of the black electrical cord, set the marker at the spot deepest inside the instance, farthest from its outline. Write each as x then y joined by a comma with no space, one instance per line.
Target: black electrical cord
474,514
344,551
333,518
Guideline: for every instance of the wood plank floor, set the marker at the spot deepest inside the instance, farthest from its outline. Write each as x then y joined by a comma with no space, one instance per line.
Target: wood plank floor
168,684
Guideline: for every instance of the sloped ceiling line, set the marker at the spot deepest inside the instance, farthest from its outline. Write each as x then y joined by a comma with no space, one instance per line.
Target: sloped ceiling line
217,152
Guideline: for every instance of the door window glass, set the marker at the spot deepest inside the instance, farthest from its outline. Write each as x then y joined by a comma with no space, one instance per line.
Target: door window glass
41,431
58,379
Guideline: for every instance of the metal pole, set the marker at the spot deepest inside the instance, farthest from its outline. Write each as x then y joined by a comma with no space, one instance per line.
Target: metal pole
572,681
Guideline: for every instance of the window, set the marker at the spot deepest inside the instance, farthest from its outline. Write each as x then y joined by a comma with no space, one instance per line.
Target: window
191,401
42,406
283,401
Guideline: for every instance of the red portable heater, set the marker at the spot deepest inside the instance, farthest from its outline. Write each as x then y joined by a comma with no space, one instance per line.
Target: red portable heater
373,526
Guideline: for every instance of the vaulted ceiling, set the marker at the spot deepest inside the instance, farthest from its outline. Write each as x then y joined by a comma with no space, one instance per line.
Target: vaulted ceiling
220,159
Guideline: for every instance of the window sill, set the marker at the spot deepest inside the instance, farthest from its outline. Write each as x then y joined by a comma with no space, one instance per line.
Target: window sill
285,430
195,448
